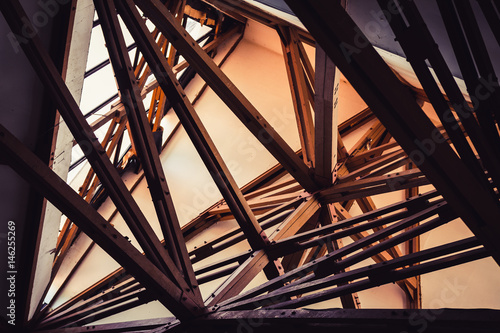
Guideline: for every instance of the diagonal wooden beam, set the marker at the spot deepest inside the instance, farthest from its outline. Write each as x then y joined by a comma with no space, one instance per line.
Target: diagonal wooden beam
298,88
226,90
304,218
240,278
373,185
93,224
307,211
409,285
69,231
491,13
119,108
123,288
346,228
392,215
47,72
145,144
193,126
479,124
359,119
386,162
370,282
408,37
376,273
329,217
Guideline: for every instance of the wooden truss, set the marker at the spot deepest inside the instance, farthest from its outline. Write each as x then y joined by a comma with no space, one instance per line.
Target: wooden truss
295,216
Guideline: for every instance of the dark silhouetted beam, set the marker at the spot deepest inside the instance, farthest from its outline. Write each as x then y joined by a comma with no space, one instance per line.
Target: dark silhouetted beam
396,108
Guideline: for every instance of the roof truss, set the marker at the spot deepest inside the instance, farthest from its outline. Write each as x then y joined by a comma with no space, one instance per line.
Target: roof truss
294,216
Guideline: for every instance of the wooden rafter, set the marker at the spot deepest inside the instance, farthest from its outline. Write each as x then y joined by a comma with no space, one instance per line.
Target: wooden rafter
223,87
299,87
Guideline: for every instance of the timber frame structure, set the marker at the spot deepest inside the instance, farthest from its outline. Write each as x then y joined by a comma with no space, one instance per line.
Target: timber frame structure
295,216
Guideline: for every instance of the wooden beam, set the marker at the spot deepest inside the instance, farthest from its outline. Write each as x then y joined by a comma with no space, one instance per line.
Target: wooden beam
386,162
356,121
329,216
117,293
326,87
145,145
298,88
93,224
378,273
400,274
195,129
345,320
408,37
409,285
118,108
373,185
226,90
414,300
245,273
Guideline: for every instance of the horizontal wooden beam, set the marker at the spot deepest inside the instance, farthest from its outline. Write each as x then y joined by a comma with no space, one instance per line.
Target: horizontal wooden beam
348,320
126,326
